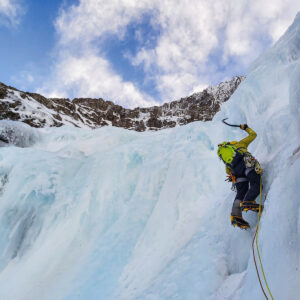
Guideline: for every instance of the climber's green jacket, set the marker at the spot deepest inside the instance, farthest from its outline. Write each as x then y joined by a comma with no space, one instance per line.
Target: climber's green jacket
243,144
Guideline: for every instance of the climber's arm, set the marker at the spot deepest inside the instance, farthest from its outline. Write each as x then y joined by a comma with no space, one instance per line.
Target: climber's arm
247,140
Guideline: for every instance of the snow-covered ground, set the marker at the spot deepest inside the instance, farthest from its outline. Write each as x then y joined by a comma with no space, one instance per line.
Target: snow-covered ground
115,214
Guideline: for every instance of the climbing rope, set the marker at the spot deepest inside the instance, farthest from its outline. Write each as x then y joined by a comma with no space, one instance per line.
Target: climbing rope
257,248
253,251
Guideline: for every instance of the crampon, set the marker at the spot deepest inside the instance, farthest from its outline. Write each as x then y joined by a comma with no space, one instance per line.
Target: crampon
251,206
239,222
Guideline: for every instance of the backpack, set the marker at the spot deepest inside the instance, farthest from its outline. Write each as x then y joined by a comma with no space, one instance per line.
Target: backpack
227,152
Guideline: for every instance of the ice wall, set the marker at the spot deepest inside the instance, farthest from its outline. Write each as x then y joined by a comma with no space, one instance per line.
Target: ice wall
114,214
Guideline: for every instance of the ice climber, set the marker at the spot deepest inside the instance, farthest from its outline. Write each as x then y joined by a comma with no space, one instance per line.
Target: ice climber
242,169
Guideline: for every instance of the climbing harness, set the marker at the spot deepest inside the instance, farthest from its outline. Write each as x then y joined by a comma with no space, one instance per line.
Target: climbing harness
255,239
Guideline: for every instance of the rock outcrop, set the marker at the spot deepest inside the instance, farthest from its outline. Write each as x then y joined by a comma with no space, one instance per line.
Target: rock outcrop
39,111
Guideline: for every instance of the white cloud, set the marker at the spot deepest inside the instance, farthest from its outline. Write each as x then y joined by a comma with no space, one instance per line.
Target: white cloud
93,18
79,69
10,12
200,42
192,30
89,75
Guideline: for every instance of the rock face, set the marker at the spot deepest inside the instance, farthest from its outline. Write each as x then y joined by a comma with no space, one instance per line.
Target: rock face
38,111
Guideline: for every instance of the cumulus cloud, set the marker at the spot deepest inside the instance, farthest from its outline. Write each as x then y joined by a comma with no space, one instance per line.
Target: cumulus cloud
80,70
199,42
10,12
89,75
205,41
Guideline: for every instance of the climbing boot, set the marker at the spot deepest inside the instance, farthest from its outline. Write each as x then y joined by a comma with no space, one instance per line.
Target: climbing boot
250,205
239,222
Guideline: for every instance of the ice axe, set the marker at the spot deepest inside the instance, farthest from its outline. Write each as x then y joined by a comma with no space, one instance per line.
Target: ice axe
232,125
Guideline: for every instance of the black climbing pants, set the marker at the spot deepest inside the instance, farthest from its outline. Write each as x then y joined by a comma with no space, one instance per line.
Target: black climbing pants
244,193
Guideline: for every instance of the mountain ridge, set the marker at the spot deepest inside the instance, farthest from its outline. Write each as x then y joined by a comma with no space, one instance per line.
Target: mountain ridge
39,111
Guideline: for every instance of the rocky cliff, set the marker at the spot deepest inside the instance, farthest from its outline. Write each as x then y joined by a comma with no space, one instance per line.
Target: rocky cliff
39,111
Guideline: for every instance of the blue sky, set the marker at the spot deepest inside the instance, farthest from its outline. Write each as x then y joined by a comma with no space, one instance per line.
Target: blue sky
27,46
117,51
135,53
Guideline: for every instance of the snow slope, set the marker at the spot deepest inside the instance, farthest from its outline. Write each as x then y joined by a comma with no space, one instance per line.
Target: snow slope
116,214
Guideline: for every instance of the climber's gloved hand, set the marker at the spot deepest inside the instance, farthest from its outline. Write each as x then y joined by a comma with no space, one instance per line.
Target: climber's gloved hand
228,178
243,126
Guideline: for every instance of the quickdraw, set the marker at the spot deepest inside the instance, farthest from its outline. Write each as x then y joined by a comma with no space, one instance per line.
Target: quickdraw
251,162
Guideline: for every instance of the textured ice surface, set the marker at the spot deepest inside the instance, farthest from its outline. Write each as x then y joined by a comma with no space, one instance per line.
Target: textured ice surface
113,214
17,133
